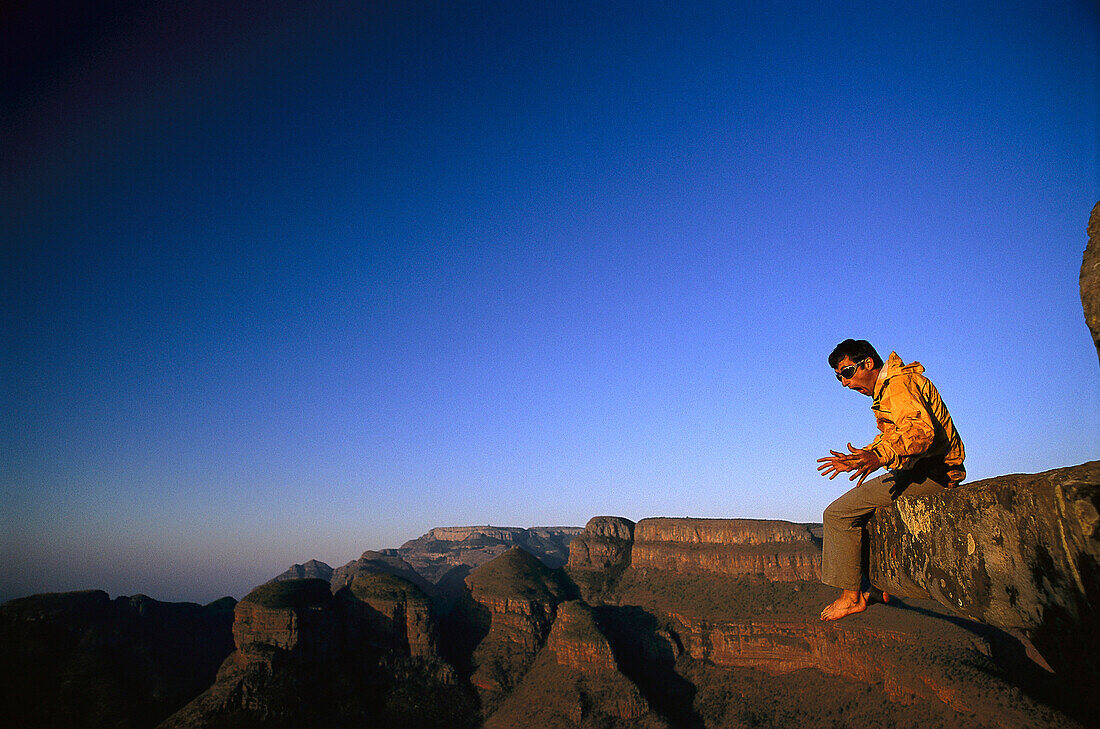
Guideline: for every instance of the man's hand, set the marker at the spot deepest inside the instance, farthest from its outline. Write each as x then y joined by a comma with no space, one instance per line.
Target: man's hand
863,462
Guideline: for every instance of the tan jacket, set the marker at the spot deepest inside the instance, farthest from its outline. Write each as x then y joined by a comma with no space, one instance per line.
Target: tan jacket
916,429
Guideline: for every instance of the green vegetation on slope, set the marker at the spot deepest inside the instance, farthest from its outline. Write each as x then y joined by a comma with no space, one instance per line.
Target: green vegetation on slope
518,574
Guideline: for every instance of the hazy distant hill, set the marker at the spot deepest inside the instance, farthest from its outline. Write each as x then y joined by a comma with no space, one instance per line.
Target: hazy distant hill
80,659
440,560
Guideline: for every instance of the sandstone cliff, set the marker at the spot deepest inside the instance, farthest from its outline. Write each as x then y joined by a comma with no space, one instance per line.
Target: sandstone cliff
779,550
605,544
395,615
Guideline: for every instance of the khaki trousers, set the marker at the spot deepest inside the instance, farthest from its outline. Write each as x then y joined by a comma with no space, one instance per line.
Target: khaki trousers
843,521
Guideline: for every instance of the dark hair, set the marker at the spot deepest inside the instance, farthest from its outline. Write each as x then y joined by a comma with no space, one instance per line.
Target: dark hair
856,350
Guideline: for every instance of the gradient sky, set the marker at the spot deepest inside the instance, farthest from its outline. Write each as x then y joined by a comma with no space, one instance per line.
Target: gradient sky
299,281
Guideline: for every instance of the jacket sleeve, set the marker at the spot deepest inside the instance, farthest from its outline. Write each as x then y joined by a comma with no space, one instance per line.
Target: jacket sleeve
905,425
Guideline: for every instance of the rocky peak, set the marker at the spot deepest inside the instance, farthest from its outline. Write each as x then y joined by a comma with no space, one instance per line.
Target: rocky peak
284,616
371,562
610,527
520,595
395,614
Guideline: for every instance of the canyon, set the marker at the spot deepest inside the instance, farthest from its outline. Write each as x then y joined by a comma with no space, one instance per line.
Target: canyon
667,622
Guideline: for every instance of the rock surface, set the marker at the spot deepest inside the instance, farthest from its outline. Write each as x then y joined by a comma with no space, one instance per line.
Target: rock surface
1021,552
1090,278
779,550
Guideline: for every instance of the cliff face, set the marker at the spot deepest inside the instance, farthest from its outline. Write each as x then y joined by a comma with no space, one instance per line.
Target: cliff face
779,550
605,544
291,617
1021,552
82,659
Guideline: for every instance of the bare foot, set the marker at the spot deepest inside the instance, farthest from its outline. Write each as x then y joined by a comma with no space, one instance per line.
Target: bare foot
850,601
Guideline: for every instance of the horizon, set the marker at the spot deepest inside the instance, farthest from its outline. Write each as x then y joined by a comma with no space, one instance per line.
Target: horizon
301,282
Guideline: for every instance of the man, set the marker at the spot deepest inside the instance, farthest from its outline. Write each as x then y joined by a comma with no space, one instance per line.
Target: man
917,443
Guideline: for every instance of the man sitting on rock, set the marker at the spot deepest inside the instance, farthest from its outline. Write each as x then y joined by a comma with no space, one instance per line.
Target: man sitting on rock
917,443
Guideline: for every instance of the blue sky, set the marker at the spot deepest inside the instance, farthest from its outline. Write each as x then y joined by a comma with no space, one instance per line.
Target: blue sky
295,283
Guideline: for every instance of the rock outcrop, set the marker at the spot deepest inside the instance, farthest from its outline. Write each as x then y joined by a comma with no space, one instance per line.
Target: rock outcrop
82,659
1021,552
1090,278
779,550
290,616
604,544
521,596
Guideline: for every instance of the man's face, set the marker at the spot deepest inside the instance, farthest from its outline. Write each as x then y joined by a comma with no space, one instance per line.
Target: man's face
862,380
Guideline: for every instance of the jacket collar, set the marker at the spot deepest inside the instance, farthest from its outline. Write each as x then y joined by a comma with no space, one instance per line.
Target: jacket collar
892,366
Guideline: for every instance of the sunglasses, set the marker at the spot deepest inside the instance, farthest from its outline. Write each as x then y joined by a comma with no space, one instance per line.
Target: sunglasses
847,372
